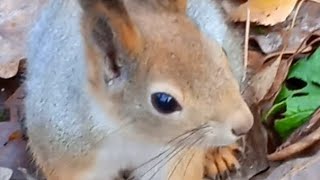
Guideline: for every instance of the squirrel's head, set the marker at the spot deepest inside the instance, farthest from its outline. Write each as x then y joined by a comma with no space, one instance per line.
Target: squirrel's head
153,72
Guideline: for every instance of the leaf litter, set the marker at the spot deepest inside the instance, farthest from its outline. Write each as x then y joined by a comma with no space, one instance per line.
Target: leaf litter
15,20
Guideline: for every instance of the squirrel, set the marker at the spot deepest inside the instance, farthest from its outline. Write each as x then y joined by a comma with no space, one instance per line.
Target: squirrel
129,89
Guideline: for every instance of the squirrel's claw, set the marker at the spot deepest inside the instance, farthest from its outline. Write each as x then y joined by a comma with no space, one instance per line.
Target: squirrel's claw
220,162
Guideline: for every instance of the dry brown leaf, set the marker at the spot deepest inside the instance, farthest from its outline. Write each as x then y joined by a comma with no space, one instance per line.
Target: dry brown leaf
278,80
14,154
273,38
269,43
261,82
306,46
15,20
265,12
16,135
303,168
255,61
8,70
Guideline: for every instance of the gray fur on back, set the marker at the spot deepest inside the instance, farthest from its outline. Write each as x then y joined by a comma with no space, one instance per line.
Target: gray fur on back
56,105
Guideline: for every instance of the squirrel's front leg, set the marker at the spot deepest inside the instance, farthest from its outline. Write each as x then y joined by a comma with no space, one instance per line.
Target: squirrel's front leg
219,162
197,164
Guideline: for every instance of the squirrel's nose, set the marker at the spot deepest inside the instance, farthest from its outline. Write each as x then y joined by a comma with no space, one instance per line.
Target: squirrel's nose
242,121
239,132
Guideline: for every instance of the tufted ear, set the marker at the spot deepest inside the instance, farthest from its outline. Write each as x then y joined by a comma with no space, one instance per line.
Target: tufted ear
112,15
174,5
108,33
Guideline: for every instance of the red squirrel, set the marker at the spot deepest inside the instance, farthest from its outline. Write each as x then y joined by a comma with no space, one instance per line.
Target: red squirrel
129,89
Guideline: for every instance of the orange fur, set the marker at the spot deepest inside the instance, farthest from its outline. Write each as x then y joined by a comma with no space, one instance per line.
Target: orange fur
149,45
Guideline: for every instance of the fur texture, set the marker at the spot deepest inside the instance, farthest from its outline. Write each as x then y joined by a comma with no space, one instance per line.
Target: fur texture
91,72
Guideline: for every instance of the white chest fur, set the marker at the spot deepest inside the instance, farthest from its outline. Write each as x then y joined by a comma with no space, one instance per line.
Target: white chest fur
119,153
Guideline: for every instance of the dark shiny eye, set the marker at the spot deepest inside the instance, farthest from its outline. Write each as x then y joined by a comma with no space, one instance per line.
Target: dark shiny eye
165,103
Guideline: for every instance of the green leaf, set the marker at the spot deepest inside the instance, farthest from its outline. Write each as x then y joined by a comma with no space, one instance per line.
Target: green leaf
276,109
306,70
301,104
287,125
299,96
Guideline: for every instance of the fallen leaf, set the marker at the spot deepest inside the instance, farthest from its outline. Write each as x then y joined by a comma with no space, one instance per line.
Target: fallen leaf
16,135
274,38
15,20
264,12
297,147
14,154
5,173
298,97
280,77
308,43
8,70
261,82
255,61
302,168
269,43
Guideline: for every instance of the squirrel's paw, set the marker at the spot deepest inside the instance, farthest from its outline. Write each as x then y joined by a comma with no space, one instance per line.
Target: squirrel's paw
220,162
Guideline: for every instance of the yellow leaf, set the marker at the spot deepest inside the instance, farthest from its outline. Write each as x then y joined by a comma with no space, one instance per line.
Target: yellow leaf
265,12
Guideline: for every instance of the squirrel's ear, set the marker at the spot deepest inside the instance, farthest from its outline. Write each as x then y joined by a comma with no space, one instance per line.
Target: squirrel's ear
108,32
106,15
174,5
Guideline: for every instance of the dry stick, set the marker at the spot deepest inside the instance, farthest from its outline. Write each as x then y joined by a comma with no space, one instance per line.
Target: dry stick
246,45
296,14
286,52
296,147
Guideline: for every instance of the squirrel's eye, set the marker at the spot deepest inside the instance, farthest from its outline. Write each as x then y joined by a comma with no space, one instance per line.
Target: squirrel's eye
164,103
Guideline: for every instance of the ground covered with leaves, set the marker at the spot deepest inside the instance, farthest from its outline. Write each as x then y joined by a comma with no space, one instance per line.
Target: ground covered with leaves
281,86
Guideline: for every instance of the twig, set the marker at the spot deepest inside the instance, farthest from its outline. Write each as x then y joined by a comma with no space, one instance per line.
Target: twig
246,45
296,14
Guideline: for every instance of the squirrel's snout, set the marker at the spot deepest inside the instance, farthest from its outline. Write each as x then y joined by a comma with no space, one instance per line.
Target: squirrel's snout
241,121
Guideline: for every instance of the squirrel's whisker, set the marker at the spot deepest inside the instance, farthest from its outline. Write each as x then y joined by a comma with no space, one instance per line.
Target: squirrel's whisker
174,154
188,134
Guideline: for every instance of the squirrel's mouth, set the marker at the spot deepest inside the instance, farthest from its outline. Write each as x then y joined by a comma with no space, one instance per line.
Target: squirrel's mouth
217,134
205,136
